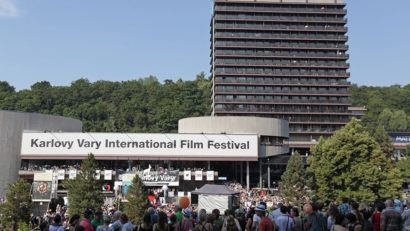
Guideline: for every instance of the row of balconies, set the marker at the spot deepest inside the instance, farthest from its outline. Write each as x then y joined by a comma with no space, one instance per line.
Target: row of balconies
258,111
281,108
284,94
277,90
280,9
265,27
327,75
282,81
282,45
283,85
311,71
280,62
274,17
342,101
258,53
280,36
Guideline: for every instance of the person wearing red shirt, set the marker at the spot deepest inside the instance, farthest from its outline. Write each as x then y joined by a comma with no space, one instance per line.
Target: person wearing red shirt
85,223
266,223
376,217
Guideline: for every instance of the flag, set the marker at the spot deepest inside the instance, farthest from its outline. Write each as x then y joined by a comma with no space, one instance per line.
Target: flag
107,174
210,175
198,175
187,175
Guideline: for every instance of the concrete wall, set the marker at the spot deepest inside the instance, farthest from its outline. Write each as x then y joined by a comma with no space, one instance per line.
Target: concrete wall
12,125
235,125
240,125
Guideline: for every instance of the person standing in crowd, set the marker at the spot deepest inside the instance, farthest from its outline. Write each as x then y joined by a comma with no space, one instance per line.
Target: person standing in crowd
186,223
265,223
85,222
353,223
240,216
257,219
173,222
178,214
390,218
294,213
218,222
75,223
249,219
230,224
161,225
276,213
154,216
57,226
331,218
98,219
356,212
203,225
315,221
105,226
339,223
44,226
229,215
376,216
126,224
344,208
146,223
284,222
405,216
116,223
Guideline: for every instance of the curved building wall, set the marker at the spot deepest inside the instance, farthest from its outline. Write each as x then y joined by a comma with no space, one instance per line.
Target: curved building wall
235,125
261,126
12,125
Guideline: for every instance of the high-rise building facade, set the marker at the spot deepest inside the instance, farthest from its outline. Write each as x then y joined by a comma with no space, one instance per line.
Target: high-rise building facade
285,59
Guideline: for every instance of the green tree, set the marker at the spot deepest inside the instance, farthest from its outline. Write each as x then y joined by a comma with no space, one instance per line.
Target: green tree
383,139
351,164
398,121
385,117
137,201
293,186
404,165
84,190
407,151
17,208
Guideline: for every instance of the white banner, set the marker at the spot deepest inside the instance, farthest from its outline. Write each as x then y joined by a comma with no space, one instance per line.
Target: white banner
97,174
107,174
61,174
72,174
198,175
135,145
210,175
187,175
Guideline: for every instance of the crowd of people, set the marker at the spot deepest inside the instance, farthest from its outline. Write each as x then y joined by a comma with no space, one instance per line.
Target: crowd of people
392,215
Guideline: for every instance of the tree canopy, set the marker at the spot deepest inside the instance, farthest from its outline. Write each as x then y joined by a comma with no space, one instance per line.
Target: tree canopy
386,106
142,105
351,164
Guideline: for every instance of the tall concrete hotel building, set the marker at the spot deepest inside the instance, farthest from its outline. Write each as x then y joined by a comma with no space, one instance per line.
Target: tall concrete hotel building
284,59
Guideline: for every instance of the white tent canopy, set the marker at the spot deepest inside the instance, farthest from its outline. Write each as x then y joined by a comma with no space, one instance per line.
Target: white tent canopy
212,197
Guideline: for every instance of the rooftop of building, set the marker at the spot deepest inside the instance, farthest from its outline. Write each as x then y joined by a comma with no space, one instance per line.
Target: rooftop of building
288,1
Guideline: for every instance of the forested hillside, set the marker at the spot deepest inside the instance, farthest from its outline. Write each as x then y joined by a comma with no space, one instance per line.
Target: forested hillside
147,105
143,105
387,106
